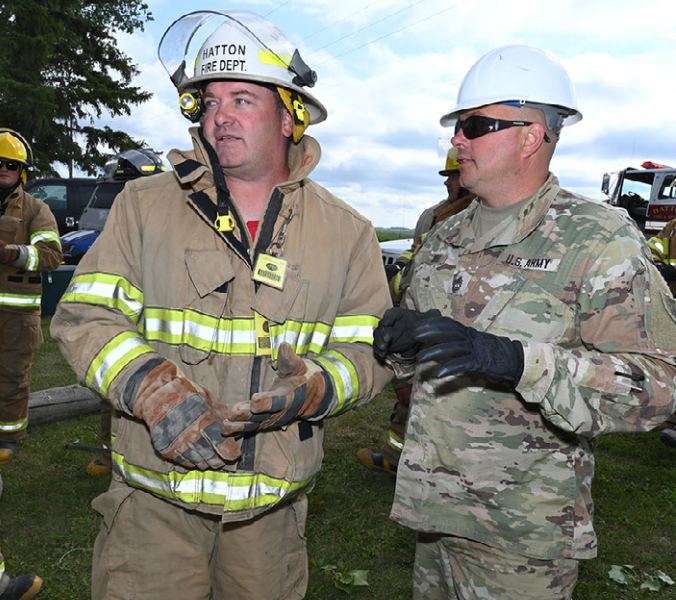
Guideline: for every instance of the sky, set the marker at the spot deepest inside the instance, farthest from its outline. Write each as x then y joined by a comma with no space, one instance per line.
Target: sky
389,69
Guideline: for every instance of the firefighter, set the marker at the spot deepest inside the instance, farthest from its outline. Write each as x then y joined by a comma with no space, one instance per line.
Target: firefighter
226,309
458,199
663,247
29,244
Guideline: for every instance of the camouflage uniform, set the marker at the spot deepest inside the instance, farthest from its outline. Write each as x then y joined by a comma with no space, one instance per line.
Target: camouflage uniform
573,281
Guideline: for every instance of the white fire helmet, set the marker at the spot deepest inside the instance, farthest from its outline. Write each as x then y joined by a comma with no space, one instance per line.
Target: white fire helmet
238,45
523,75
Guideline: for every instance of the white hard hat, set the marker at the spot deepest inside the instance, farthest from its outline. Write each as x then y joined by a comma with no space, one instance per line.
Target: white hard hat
240,45
520,74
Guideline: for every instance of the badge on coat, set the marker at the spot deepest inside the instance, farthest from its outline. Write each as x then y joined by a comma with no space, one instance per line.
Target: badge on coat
270,270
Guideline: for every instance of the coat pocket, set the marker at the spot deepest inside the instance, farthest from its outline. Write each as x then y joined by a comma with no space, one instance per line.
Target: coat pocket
210,273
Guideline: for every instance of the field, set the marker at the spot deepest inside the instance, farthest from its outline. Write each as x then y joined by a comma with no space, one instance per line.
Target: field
48,526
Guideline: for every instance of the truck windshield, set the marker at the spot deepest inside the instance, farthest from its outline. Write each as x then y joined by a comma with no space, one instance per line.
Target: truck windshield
104,194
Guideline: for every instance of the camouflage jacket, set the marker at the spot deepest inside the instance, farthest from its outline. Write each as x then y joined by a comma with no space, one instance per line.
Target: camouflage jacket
573,281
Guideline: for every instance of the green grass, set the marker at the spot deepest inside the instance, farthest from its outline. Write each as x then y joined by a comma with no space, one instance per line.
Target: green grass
48,526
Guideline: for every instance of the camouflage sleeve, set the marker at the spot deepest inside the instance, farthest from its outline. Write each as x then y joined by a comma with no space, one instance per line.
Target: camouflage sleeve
621,376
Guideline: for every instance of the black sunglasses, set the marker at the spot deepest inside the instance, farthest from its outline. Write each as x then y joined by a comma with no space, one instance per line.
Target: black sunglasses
10,164
478,125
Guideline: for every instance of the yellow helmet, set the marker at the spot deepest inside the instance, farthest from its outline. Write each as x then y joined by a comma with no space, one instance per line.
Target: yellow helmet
452,164
13,146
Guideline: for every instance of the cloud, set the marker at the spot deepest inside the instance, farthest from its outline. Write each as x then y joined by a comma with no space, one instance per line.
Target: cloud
389,69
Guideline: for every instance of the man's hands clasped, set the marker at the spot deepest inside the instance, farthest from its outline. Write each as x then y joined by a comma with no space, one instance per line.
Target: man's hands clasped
300,390
456,347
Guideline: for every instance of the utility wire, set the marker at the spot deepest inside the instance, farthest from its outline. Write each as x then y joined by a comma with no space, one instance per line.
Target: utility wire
340,20
382,37
394,14
280,6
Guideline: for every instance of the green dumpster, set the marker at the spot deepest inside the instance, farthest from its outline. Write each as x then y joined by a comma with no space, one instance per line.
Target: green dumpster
54,284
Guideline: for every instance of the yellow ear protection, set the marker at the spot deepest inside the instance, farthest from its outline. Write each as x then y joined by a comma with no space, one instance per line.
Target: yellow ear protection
295,105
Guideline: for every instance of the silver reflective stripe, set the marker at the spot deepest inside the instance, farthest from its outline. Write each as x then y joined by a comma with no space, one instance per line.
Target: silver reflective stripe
111,358
17,300
106,290
33,259
14,425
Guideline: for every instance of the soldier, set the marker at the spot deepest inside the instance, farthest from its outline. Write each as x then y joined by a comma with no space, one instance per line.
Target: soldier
227,308
29,244
538,322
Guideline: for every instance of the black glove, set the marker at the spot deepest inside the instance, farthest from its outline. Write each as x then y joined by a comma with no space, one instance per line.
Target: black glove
394,334
667,271
464,349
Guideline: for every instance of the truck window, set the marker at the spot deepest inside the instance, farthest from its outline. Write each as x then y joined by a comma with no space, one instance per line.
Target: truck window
54,195
668,188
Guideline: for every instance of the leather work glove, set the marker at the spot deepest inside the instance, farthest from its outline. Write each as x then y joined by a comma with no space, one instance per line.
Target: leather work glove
394,334
463,349
300,390
667,271
183,418
8,253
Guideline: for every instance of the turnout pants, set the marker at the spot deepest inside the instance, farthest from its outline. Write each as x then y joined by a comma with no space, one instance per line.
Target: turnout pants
454,568
149,548
20,336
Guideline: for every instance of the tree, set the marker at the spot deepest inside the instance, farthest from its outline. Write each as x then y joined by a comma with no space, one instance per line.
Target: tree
60,70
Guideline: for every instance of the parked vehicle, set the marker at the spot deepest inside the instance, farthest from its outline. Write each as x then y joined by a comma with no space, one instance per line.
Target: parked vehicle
647,194
66,197
393,249
120,169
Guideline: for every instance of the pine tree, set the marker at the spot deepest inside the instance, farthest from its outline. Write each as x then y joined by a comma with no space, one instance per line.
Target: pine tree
61,70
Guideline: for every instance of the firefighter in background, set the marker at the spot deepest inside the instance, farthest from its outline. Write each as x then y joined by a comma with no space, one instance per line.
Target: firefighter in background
458,199
663,247
17,588
226,309
29,244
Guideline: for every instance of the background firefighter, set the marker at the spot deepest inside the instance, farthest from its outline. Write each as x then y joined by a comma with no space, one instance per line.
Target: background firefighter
458,199
29,244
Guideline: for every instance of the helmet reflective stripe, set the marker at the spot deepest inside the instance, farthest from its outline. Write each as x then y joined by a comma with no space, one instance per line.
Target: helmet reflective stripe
240,45
519,74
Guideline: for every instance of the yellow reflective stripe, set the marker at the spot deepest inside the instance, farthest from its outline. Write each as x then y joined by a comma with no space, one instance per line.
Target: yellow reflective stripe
406,255
303,337
19,300
396,285
2,570
108,290
234,492
45,236
33,260
354,328
394,441
345,379
114,357
9,426
234,335
270,58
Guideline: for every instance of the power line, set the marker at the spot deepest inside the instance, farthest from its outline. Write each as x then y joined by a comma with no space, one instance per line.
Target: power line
382,37
280,6
394,14
340,20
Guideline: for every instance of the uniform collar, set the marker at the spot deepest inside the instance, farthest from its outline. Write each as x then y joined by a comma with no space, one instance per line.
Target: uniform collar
527,220
192,167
